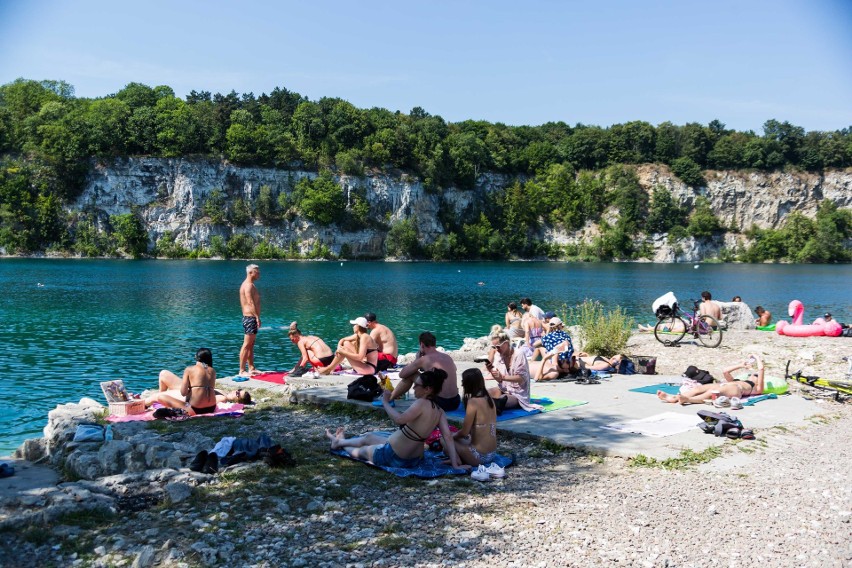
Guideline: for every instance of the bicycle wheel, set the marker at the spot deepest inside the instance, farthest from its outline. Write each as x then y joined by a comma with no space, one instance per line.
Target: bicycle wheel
670,330
709,332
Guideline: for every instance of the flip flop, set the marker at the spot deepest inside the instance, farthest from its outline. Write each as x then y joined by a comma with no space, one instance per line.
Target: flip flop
240,379
6,470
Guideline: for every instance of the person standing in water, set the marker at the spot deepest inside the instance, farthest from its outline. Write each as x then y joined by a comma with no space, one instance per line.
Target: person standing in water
250,303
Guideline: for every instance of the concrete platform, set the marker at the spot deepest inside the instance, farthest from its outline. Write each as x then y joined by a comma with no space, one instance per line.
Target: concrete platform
581,427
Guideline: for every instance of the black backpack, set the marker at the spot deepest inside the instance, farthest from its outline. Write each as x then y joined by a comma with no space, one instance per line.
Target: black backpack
698,375
723,424
364,388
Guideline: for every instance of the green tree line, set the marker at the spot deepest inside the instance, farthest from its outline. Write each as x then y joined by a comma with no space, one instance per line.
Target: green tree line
567,175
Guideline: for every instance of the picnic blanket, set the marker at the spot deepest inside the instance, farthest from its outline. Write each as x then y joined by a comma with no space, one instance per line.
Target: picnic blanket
222,409
652,389
430,467
657,426
549,405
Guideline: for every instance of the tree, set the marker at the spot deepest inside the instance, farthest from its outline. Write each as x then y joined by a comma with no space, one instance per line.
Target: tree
689,172
130,233
267,206
320,200
702,222
664,213
403,240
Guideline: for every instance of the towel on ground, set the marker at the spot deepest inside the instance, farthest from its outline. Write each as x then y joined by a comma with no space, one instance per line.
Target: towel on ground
431,466
222,409
657,426
652,389
547,404
277,377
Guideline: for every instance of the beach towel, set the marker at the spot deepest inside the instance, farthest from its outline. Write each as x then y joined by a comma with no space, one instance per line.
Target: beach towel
652,389
657,426
749,401
222,409
547,404
277,377
432,465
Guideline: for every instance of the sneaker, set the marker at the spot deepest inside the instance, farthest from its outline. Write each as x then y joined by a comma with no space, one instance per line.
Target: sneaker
199,461
736,404
494,470
480,474
722,402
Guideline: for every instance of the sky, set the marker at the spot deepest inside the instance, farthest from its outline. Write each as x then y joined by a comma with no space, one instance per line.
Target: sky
599,62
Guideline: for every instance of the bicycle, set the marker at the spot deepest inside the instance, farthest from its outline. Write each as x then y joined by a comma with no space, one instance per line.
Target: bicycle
671,328
837,386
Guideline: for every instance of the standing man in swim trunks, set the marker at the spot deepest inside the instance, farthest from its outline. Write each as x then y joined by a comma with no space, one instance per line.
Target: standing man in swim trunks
430,358
250,303
385,339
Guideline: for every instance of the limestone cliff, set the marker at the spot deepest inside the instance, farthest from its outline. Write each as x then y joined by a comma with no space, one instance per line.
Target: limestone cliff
169,194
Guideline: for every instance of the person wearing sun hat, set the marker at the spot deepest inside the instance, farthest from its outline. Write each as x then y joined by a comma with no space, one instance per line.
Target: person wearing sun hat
359,349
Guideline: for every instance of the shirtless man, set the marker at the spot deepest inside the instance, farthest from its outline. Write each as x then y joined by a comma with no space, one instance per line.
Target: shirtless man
250,302
385,339
708,307
430,358
764,316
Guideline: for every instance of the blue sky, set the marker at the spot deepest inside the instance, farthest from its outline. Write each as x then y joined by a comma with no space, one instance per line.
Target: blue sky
593,62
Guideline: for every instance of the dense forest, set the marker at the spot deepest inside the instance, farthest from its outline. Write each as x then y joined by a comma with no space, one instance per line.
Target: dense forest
564,175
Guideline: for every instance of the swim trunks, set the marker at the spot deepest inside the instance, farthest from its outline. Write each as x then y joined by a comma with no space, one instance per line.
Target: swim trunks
250,325
386,457
385,362
322,361
448,404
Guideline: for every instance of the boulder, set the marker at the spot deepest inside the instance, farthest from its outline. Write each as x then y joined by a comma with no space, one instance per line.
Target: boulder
737,315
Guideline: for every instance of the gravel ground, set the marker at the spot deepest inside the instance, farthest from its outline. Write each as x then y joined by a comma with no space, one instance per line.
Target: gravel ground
782,500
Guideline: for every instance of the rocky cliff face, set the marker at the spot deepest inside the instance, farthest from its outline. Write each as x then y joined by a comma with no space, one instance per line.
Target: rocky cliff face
169,194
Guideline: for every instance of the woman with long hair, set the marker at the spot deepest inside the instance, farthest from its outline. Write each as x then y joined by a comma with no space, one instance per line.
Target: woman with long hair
403,448
476,441
513,320
359,349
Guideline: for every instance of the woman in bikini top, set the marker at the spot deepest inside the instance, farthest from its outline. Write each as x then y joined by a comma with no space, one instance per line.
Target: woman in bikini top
751,386
477,437
359,349
197,386
311,347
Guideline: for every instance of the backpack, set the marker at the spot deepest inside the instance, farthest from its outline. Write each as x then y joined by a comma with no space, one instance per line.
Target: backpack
722,424
364,388
698,375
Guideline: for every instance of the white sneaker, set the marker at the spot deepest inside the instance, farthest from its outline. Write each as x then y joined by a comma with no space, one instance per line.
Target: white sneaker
495,470
736,403
722,402
480,474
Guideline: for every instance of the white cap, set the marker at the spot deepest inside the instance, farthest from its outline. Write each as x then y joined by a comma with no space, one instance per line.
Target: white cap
362,321
555,321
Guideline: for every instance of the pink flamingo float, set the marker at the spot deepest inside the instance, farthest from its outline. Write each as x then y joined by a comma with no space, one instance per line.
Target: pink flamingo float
796,329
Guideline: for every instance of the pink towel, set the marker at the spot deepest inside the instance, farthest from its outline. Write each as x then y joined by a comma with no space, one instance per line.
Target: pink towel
222,409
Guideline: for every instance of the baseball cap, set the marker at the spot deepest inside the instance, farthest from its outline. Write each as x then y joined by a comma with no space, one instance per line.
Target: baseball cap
827,314
549,315
359,321
555,321
370,316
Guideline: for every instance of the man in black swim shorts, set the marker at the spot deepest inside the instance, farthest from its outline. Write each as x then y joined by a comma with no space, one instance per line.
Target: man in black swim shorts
250,303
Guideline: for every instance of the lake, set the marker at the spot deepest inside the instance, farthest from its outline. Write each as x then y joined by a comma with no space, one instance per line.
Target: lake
66,325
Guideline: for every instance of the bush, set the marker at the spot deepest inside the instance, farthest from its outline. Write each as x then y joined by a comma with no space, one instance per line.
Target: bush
601,332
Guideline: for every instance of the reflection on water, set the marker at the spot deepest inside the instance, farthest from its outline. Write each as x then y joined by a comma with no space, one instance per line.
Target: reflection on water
94,320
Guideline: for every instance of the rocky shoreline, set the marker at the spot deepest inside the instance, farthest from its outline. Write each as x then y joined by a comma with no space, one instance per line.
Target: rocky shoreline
132,500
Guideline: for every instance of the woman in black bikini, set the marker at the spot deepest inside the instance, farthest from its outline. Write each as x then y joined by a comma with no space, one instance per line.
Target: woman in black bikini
403,448
359,349
197,386
732,388
313,349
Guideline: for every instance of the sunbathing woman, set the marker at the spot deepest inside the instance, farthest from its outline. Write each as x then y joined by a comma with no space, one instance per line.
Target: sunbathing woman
598,362
359,349
731,387
313,349
195,387
403,448
476,442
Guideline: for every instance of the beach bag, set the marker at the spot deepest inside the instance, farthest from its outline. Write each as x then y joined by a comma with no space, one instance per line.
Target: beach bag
364,388
698,375
626,367
90,433
721,424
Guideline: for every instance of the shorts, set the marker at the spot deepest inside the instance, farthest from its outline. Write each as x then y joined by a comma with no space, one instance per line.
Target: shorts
448,404
323,361
384,456
385,362
483,458
250,325
205,410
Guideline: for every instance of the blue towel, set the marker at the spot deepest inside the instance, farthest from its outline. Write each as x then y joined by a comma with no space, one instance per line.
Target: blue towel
431,466
652,389
753,399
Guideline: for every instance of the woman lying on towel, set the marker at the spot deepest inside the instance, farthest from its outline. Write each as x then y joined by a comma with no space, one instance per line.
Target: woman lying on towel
731,388
476,442
403,448
195,392
558,365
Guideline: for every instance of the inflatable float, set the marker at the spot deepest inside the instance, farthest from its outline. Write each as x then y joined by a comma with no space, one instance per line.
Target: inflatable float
770,327
797,329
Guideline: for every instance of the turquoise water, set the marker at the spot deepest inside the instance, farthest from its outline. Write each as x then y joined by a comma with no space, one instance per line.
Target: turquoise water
66,325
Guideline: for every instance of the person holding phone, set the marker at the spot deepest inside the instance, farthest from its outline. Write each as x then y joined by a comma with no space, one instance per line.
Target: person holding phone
509,368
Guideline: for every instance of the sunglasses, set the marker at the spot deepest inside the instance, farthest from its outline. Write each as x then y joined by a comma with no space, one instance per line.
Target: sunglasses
499,345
